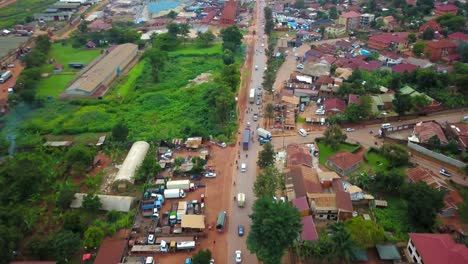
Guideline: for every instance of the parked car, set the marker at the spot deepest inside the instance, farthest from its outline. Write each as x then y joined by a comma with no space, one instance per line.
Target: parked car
258,101
188,261
349,129
300,66
302,107
195,177
210,174
302,132
240,230
151,239
445,172
11,65
212,261
263,140
238,256
255,117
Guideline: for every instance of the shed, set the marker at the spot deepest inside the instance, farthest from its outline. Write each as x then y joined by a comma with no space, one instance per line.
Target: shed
109,202
58,68
309,232
388,252
193,142
193,221
134,158
302,205
380,203
110,251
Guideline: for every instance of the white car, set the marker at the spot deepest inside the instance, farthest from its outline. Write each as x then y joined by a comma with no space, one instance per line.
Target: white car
445,172
238,256
243,167
263,45
300,66
302,132
320,112
210,175
349,129
151,239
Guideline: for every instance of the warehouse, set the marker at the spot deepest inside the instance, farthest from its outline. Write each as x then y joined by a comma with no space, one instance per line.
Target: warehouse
126,174
108,202
101,74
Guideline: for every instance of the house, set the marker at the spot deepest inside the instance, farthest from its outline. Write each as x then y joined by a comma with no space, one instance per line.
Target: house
58,68
424,131
404,67
389,41
53,15
366,20
430,24
442,9
316,69
388,252
228,17
328,90
344,163
298,155
302,205
99,25
435,249
350,20
458,37
309,232
112,249
354,99
390,58
441,49
433,105
459,132
421,63
90,45
334,105
336,30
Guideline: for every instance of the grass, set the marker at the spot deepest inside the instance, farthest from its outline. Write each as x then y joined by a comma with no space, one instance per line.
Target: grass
193,50
54,85
325,151
393,219
126,84
375,161
17,13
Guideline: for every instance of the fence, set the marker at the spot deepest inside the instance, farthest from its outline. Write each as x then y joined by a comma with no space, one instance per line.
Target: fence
436,155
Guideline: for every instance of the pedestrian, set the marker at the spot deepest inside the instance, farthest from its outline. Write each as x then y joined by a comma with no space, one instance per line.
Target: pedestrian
236,161
246,155
214,241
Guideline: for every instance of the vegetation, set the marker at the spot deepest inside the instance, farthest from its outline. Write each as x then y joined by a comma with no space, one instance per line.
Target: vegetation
268,182
394,219
358,112
272,221
366,233
202,257
266,157
325,150
334,137
396,154
21,12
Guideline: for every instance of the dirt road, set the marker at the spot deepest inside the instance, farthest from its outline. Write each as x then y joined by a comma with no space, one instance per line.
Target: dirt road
7,2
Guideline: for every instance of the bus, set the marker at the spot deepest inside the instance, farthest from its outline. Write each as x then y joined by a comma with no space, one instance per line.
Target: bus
221,223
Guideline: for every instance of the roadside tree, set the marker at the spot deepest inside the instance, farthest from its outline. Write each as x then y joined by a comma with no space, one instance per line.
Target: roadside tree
266,157
93,237
232,38
228,57
272,221
202,257
397,155
334,136
402,103
268,182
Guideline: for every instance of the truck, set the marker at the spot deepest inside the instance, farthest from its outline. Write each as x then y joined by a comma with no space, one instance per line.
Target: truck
181,211
252,95
4,76
221,221
180,184
174,193
172,219
263,133
185,245
241,199
246,139
148,204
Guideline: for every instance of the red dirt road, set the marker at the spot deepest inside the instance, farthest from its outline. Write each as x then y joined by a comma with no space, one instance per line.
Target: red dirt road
7,2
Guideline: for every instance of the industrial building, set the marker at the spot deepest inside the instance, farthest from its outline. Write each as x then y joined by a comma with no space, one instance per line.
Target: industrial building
126,174
102,73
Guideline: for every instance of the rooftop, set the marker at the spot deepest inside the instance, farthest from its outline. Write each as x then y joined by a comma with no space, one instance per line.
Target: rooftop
418,174
301,204
461,130
110,251
458,36
404,67
425,130
440,44
439,248
309,232
345,160
335,104
351,14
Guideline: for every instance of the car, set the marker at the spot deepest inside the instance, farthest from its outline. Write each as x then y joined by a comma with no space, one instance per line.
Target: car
445,172
258,101
259,87
11,65
256,67
210,175
238,256
263,45
212,261
151,239
243,167
188,261
222,144
302,132
240,230
320,112
255,117
302,107
300,66
465,118
263,140
349,129
195,177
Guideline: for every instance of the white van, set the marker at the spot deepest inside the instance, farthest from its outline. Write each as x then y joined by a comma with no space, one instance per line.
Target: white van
302,132
386,125
243,167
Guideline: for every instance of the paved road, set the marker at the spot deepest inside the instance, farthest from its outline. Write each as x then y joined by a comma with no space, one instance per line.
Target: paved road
244,180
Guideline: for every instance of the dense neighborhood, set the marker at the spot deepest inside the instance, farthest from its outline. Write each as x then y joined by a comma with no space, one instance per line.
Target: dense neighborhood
202,132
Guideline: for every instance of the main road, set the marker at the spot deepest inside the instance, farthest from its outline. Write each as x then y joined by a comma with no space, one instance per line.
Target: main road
244,181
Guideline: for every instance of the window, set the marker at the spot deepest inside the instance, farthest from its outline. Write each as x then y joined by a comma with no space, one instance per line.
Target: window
414,259
410,250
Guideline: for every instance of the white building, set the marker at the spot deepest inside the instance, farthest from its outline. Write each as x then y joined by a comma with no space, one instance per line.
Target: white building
126,174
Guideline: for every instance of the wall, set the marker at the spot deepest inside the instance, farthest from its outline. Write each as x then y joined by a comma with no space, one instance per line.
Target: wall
436,155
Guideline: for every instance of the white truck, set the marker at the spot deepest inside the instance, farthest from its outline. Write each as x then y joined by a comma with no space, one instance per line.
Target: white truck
180,184
263,133
5,76
185,245
174,193
252,95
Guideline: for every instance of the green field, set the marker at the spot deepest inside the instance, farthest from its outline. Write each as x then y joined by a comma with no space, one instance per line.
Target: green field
394,219
375,161
326,151
63,54
54,85
16,13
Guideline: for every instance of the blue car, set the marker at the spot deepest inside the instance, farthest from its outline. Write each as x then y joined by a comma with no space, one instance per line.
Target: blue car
188,261
263,140
240,230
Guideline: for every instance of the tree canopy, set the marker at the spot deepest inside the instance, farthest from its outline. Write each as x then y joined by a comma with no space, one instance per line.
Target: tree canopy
120,132
396,154
232,38
402,103
334,136
365,233
276,222
202,257
266,157
268,182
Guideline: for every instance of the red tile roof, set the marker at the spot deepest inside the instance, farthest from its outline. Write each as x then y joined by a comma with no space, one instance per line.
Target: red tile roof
207,19
351,14
401,68
335,105
419,174
440,44
398,37
301,204
324,79
309,232
424,131
298,155
452,199
354,99
460,36
430,24
229,12
345,160
461,130
439,248
446,8
110,251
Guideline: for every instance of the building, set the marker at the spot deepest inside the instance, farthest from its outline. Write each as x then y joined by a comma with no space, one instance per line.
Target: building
126,174
440,49
334,105
99,25
389,41
366,20
53,15
458,37
350,20
390,58
344,163
404,67
336,30
302,205
435,249
112,249
309,232
109,202
424,131
228,17
101,74
442,9
430,24
459,132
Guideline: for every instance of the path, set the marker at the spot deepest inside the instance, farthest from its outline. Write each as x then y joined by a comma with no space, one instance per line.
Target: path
7,2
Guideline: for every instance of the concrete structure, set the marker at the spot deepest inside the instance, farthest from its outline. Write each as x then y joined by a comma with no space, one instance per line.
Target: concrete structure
435,249
365,20
389,41
336,30
344,163
100,75
53,16
441,49
134,158
109,202
350,20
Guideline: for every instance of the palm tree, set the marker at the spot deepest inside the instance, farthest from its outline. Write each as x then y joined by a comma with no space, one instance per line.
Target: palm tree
343,244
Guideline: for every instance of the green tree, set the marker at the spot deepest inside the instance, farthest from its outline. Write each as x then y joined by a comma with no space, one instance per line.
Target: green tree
39,247
65,195
344,245
266,157
79,158
434,143
420,101
365,233
333,13
74,221
66,244
389,181
300,4
418,48
451,22
184,30
412,37
463,208
268,182
157,58
93,237
402,103
272,221
43,44
172,14
120,132
202,257
9,236
228,57
353,113
232,38
205,39
35,59
173,29
149,168
397,155
428,34
334,136
230,76
166,42
423,203
92,203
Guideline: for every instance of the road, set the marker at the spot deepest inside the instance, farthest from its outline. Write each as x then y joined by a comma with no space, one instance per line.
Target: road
244,180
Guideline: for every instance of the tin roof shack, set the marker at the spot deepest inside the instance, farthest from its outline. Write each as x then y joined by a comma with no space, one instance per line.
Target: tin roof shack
109,202
126,174
193,142
193,222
